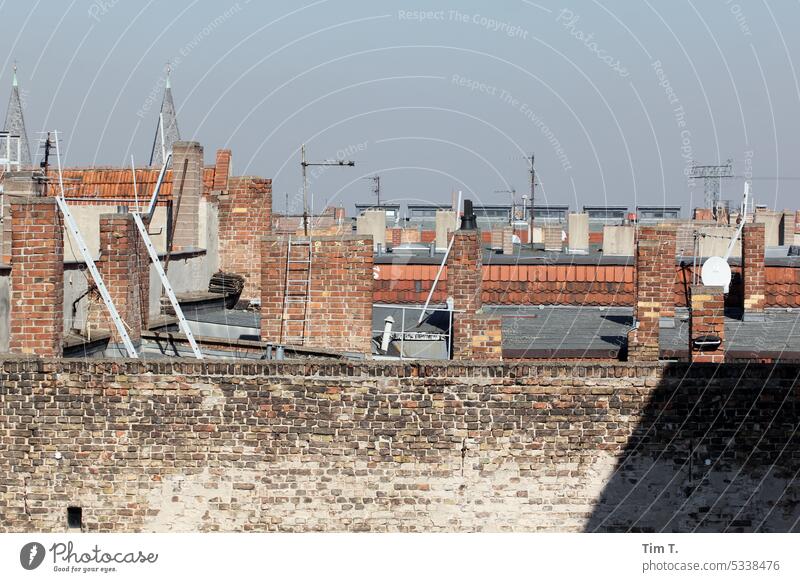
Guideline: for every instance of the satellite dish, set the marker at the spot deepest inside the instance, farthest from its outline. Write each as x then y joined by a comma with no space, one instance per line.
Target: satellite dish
716,272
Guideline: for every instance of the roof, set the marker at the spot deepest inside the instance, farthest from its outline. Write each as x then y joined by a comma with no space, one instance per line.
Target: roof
116,183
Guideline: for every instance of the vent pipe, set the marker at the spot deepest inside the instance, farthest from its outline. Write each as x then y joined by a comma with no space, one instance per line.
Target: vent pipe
468,220
387,333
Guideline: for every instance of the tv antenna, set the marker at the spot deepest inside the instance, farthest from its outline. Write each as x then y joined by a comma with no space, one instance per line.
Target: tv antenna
376,186
712,177
303,165
513,193
532,172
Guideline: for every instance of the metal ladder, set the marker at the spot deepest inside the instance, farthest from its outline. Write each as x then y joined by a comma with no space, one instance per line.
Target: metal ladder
151,250
98,280
296,293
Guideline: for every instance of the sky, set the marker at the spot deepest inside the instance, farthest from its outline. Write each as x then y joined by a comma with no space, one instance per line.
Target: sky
616,99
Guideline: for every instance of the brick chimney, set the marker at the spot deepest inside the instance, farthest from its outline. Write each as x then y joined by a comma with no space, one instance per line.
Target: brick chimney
654,292
753,277
124,266
474,335
707,324
245,218
187,217
222,170
37,278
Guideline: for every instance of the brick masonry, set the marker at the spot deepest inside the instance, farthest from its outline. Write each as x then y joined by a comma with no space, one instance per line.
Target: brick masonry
339,311
474,335
222,170
245,218
186,212
122,264
707,321
37,277
654,290
315,446
753,271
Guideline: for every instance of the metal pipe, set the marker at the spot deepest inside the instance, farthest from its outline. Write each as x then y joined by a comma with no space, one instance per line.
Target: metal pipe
387,333
441,266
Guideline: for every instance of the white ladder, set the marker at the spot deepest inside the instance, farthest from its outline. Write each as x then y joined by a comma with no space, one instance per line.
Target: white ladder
151,250
98,280
296,293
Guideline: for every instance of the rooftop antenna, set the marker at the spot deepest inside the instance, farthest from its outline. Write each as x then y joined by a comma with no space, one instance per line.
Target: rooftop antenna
304,165
712,176
376,186
513,193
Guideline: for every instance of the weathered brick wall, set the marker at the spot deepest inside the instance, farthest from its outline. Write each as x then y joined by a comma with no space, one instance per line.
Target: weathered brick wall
338,315
282,446
37,275
245,217
222,170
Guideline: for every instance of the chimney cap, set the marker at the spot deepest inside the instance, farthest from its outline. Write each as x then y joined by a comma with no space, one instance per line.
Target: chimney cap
468,220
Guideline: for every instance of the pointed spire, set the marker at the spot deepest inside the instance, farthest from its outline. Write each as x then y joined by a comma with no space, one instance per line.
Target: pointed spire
170,120
15,121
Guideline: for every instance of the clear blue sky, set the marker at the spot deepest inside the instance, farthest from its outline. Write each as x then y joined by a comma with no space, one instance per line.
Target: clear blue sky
614,97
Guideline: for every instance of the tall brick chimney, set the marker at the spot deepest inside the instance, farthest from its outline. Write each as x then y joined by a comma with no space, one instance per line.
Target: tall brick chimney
245,218
707,324
187,217
753,276
653,293
474,335
124,266
37,278
222,170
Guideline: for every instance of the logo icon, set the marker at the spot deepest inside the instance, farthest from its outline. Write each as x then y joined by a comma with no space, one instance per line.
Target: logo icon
31,555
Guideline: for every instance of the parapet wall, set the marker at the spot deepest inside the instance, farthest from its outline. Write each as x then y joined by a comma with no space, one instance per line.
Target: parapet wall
282,446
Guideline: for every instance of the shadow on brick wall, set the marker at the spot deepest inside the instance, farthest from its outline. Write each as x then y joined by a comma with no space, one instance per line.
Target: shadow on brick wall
717,449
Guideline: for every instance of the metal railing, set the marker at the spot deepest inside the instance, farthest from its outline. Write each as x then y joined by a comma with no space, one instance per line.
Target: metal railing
409,333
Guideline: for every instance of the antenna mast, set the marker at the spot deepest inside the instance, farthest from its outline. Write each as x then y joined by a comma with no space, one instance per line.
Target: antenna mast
376,186
304,164
712,176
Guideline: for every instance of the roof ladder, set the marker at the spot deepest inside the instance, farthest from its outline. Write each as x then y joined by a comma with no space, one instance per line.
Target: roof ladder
98,280
295,321
151,250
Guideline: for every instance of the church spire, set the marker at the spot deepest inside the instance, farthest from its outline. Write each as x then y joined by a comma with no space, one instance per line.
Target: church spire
171,133
15,121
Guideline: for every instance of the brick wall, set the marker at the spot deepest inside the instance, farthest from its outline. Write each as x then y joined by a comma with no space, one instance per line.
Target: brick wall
245,218
123,262
553,238
655,267
753,249
707,320
316,446
186,212
37,277
338,315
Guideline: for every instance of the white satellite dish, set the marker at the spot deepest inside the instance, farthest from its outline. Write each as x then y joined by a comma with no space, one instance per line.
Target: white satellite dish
716,272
